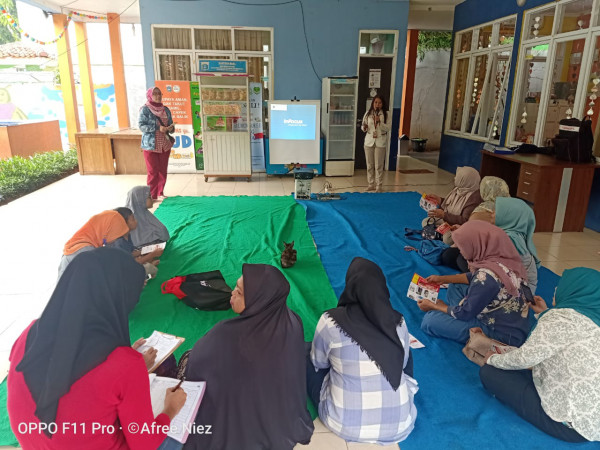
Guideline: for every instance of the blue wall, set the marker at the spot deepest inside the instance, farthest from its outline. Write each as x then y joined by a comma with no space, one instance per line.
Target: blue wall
332,28
457,152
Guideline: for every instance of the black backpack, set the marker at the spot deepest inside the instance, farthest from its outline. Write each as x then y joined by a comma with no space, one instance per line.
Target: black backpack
207,291
574,141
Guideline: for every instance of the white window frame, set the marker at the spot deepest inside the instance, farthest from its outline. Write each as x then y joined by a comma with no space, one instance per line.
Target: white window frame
553,40
231,54
471,55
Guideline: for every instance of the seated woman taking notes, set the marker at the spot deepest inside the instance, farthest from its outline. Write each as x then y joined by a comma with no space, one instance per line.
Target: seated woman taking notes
100,230
74,366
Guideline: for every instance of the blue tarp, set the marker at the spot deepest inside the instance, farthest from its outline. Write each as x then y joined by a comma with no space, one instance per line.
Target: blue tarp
454,411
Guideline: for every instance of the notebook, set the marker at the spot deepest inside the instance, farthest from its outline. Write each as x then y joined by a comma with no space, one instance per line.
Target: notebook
150,248
165,345
183,423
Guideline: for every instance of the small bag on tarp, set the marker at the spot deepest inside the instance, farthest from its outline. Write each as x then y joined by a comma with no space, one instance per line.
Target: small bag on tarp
206,291
574,141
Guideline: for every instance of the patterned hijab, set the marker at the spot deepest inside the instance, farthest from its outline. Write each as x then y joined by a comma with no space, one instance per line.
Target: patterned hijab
579,289
100,229
158,109
515,217
493,187
485,246
466,183
149,228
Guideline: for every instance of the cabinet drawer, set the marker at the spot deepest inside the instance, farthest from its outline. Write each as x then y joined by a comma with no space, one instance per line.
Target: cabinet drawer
529,174
526,191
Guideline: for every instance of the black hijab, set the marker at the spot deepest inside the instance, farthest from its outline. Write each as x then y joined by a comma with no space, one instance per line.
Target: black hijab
254,366
365,314
85,319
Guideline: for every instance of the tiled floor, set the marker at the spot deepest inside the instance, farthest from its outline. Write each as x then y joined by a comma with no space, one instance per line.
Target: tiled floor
35,228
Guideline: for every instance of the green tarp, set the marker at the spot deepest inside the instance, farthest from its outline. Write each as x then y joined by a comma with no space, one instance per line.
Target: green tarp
209,233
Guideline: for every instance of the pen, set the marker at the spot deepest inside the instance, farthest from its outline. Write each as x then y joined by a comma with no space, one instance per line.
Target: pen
178,384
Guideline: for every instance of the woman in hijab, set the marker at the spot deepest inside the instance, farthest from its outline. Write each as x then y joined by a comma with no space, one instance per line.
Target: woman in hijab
102,229
149,229
155,122
495,299
75,367
456,208
517,219
560,395
360,356
490,189
254,368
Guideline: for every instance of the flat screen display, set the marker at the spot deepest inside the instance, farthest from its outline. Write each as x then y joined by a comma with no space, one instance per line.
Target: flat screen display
293,122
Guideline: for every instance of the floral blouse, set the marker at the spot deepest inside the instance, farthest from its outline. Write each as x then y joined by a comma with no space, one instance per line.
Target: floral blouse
562,350
488,301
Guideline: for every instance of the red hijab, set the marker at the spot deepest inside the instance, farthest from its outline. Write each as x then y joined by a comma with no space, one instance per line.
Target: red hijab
485,246
158,109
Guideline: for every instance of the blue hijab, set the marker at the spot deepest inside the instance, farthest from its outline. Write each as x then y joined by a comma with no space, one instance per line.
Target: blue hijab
579,289
516,218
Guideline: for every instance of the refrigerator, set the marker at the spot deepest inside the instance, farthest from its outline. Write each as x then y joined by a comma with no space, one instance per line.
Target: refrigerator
338,124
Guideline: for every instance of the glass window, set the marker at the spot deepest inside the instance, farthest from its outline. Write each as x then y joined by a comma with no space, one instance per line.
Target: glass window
485,37
258,69
576,16
212,39
540,22
172,38
528,100
252,40
563,85
591,106
465,41
174,67
377,43
477,88
458,99
507,32
493,99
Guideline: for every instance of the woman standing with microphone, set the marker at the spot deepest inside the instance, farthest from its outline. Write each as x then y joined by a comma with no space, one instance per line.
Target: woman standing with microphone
375,124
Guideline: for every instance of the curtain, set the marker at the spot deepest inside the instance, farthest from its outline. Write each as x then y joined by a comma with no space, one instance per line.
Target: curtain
175,67
173,38
215,39
252,40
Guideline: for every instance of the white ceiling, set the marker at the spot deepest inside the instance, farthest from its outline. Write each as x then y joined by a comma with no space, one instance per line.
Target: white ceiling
130,9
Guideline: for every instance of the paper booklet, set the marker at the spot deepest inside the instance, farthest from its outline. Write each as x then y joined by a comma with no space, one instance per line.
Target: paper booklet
427,203
420,289
165,345
414,342
150,248
182,423
443,228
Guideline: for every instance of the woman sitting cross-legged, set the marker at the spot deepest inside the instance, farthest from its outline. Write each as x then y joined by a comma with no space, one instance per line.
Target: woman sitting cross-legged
359,372
125,243
561,393
100,230
495,298
149,229
74,366
254,367
456,208
517,220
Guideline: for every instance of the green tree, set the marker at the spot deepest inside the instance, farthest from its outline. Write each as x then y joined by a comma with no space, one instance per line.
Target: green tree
433,40
7,32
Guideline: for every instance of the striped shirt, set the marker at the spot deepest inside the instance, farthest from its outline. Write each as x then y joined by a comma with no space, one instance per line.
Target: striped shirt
357,402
